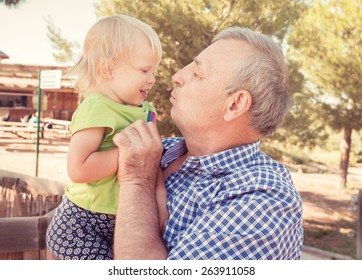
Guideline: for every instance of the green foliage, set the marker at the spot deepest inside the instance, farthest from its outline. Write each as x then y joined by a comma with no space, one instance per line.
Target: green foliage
359,157
186,27
12,3
64,49
326,153
273,152
327,44
303,126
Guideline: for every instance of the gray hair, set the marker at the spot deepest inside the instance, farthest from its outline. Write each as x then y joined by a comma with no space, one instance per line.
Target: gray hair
264,74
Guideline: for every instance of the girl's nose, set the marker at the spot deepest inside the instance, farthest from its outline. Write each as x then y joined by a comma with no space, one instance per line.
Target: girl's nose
151,79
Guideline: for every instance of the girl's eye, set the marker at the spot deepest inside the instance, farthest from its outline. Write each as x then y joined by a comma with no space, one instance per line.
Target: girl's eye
196,75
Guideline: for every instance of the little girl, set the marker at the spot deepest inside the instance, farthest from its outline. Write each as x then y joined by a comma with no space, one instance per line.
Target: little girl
116,71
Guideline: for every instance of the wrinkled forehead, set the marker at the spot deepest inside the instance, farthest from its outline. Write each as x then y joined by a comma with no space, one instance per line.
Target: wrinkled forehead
223,54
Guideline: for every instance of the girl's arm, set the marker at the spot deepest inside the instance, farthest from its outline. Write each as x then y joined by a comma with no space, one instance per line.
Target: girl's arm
85,162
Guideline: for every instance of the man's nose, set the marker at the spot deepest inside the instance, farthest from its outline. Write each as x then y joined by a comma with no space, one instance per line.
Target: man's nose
177,78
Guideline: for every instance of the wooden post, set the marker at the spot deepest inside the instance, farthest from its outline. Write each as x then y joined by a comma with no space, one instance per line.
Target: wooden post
42,227
25,235
19,234
359,226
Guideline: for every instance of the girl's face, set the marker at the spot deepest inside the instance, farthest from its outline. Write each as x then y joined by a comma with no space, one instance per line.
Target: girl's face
130,81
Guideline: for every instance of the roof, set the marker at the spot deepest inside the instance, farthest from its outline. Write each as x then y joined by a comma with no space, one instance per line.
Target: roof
3,55
24,78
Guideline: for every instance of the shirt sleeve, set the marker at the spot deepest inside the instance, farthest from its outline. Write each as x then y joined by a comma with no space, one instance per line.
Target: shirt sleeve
239,225
90,113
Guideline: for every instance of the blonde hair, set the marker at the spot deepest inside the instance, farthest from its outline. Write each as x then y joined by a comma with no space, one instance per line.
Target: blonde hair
107,42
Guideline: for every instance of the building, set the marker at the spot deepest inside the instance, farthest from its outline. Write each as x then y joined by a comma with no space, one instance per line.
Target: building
3,56
19,93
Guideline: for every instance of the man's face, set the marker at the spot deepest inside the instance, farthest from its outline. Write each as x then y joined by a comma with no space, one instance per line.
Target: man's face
199,96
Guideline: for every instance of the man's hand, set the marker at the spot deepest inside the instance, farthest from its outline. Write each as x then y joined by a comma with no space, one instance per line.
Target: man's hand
140,150
137,232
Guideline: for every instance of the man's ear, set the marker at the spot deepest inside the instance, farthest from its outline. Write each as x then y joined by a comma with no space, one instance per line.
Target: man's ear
237,104
106,70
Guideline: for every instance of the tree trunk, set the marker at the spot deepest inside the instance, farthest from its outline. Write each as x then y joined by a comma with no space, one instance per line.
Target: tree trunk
345,148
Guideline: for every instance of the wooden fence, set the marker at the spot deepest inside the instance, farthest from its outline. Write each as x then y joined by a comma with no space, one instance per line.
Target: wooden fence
48,128
26,208
17,201
24,237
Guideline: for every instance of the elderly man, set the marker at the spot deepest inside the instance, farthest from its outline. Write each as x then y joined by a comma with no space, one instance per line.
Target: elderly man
226,198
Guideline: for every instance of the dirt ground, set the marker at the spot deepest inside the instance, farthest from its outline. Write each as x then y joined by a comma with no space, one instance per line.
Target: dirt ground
20,157
329,214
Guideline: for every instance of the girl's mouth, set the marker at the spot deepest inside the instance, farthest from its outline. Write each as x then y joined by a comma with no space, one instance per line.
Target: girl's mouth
144,93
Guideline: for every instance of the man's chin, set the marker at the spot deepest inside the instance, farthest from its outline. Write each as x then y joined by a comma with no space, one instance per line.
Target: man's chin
173,115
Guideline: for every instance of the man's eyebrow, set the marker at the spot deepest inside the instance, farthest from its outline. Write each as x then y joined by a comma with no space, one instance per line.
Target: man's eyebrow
200,64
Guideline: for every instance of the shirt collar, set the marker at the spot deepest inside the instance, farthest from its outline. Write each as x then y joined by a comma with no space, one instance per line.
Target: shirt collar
222,162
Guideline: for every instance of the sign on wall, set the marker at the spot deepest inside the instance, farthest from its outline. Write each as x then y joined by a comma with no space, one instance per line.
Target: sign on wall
50,79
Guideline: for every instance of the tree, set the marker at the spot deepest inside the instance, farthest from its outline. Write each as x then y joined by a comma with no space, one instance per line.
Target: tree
302,126
327,43
188,26
11,3
64,49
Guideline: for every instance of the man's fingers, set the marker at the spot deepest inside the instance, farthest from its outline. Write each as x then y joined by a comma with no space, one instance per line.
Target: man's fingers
121,140
140,149
155,136
153,130
127,133
149,135
138,133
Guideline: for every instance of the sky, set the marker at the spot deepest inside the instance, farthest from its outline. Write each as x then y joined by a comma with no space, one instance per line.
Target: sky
23,35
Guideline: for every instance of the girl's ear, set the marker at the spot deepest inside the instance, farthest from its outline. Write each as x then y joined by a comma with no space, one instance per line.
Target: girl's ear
107,70
238,103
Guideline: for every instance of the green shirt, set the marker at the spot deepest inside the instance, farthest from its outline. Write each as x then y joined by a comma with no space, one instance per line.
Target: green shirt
99,111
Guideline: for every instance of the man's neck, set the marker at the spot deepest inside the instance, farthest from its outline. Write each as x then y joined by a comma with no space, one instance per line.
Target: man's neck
202,146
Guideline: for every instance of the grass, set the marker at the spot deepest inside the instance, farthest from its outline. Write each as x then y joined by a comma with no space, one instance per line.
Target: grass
328,154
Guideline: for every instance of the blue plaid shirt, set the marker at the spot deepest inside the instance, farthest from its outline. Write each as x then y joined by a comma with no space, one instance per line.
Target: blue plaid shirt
236,204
